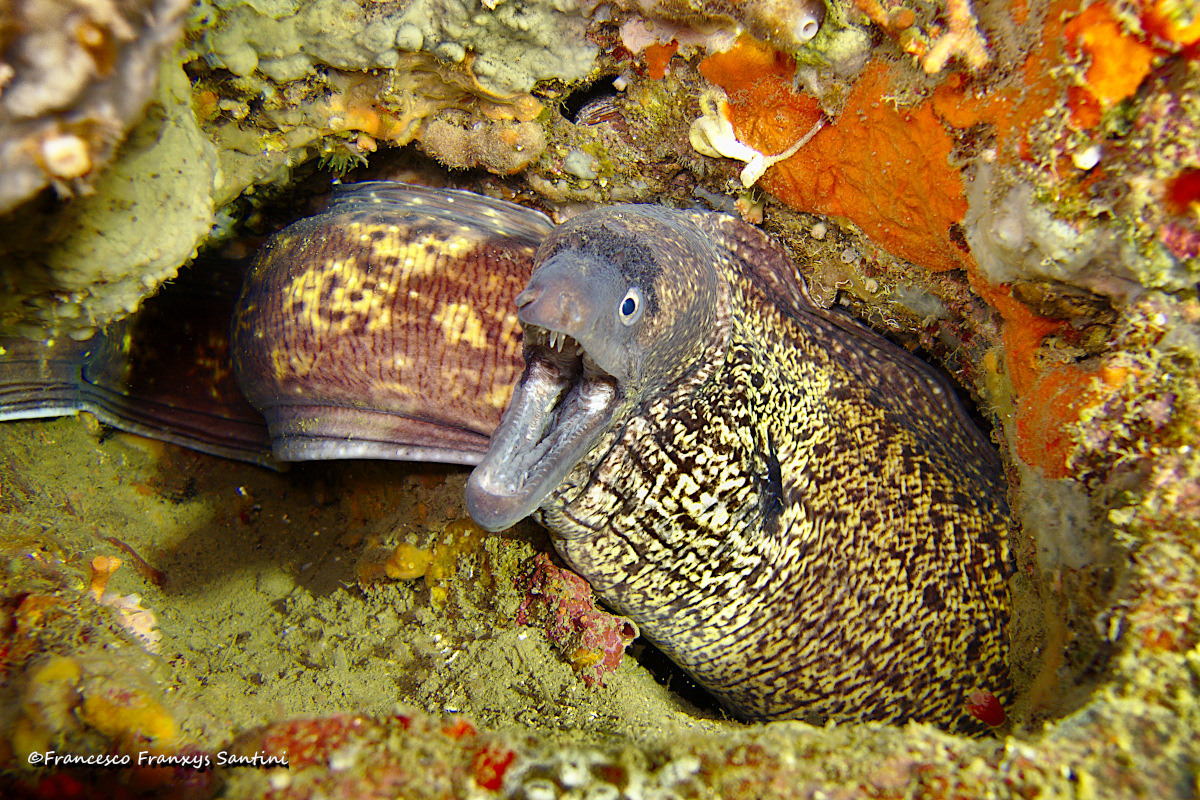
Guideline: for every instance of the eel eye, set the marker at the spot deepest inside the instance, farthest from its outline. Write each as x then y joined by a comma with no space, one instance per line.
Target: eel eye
631,306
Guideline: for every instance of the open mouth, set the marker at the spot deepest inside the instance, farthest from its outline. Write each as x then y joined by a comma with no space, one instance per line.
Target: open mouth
560,408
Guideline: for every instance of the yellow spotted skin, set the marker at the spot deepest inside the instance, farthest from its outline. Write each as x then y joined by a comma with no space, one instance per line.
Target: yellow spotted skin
799,513
385,327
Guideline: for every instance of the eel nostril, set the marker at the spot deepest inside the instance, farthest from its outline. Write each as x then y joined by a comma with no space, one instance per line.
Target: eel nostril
528,296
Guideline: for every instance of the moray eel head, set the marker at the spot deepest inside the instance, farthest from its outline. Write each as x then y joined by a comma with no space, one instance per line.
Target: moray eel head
605,324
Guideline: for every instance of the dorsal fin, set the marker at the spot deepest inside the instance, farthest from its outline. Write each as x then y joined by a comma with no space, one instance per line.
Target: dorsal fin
894,376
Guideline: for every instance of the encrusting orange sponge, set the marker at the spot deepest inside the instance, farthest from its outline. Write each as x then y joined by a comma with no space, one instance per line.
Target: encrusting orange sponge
885,169
1119,62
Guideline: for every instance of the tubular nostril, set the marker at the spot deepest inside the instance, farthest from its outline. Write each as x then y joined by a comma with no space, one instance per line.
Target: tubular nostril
528,296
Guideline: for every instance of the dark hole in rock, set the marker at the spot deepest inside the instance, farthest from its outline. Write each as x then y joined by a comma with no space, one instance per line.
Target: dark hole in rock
577,100
667,674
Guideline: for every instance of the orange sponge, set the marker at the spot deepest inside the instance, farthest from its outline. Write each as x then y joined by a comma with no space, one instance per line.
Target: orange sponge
885,169
1119,62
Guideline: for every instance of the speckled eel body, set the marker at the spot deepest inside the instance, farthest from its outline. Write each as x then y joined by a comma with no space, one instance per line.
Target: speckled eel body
797,512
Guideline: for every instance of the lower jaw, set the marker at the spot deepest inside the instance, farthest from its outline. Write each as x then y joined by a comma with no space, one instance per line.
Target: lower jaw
517,475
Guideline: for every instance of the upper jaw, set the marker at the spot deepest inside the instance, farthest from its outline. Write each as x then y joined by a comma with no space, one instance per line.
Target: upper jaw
565,353
552,346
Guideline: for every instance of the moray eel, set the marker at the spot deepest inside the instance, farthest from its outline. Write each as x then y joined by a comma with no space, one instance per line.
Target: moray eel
163,372
797,512
384,326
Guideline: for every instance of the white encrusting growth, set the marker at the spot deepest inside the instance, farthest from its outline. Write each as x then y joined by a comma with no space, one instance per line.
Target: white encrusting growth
713,135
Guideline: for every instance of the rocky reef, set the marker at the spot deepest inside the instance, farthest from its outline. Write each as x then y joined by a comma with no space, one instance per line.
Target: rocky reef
1011,188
